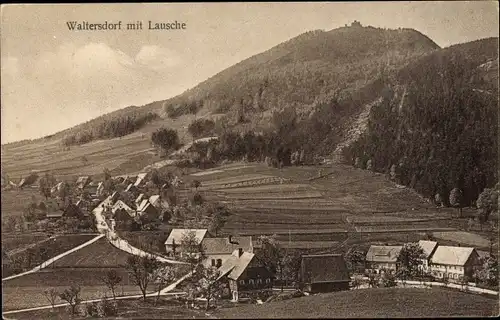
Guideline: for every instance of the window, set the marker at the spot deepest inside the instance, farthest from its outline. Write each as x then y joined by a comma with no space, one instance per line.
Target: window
250,281
259,281
213,262
219,263
268,280
242,282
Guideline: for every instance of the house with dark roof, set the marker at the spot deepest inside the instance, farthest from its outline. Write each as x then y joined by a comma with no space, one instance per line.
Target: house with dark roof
382,258
218,250
243,274
141,179
147,211
324,273
454,262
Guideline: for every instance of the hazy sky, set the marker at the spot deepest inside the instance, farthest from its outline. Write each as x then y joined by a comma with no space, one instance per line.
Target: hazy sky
53,78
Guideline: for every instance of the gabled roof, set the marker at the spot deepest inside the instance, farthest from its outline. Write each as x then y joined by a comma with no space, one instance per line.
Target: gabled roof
139,198
121,205
154,198
82,181
447,255
55,214
142,205
324,268
140,178
234,266
177,234
428,247
130,187
223,246
383,253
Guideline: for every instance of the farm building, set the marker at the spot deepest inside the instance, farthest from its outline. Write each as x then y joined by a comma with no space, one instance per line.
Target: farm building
454,262
158,202
131,188
139,199
141,179
324,273
58,187
82,182
176,235
120,205
381,258
218,250
243,274
429,247
147,210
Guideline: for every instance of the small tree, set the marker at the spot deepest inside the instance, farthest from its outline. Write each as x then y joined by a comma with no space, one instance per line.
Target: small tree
373,280
46,182
195,184
192,249
111,280
142,269
272,255
354,260
163,275
409,258
356,282
388,280
72,297
456,200
486,203
51,295
438,200
209,286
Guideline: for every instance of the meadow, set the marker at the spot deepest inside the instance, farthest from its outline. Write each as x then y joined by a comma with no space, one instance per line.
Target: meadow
372,303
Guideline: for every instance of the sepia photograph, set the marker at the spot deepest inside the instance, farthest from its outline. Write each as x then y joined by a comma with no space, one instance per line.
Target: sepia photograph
250,160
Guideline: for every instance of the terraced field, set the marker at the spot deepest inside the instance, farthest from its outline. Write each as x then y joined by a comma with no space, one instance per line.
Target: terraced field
325,204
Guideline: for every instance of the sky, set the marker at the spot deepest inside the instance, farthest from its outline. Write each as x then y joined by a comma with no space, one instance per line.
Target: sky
53,78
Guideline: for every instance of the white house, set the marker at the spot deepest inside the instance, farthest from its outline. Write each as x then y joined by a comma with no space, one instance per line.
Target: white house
172,244
382,258
218,250
453,262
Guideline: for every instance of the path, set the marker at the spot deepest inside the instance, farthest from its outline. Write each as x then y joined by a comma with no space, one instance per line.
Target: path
19,250
52,260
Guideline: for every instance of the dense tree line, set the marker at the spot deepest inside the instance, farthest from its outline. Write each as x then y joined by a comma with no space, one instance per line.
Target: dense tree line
441,134
109,128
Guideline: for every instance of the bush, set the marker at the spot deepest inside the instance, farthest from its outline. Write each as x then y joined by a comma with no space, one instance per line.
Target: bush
92,309
109,308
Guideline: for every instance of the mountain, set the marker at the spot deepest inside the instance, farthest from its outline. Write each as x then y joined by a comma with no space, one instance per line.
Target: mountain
390,98
437,127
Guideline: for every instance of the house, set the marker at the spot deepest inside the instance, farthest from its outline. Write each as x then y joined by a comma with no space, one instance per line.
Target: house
131,188
99,189
381,258
147,209
139,199
28,181
428,247
158,202
55,189
84,206
218,250
82,182
454,262
324,273
243,274
175,238
55,214
141,179
120,205
72,210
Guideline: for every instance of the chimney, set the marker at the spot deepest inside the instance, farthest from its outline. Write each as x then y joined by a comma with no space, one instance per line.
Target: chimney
240,252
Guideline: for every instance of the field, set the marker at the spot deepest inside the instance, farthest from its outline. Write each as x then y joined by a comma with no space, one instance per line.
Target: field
100,254
15,201
125,155
330,205
18,242
372,303
27,291
43,251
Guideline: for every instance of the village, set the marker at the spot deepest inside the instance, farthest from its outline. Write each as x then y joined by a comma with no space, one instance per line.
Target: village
229,267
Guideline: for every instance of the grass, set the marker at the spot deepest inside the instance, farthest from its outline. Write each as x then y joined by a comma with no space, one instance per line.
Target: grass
127,309
52,248
15,201
27,291
463,237
20,242
98,254
379,302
